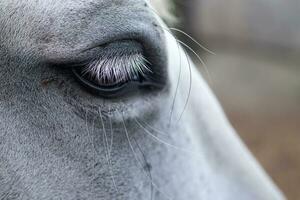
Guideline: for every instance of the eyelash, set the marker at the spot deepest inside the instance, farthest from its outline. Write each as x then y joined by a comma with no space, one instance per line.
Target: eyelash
114,69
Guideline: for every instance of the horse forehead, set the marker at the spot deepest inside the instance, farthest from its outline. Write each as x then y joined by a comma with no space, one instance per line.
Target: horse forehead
33,26
32,11
69,4
54,5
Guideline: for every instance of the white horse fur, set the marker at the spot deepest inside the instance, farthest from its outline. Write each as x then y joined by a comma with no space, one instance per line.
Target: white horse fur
58,141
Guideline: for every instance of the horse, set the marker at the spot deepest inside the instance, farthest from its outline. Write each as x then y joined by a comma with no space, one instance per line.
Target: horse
100,101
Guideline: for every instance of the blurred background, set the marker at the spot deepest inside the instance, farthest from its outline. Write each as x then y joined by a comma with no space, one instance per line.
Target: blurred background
255,74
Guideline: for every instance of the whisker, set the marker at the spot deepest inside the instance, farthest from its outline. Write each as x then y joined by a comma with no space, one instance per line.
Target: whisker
107,154
199,58
194,40
177,86
166,28
153,128
111,134
138,160
89,135
169,29
190,88
148,169
164,142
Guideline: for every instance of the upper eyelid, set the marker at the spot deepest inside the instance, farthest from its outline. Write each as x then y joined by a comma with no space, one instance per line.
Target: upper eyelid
121,68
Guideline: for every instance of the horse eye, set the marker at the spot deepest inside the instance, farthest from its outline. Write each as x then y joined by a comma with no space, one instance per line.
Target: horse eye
115,74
